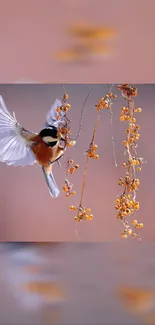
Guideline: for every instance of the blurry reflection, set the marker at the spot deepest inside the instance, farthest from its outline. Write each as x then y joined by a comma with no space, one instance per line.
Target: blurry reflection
88,42
77,284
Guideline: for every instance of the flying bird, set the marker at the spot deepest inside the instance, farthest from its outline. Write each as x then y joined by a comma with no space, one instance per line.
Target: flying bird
20,147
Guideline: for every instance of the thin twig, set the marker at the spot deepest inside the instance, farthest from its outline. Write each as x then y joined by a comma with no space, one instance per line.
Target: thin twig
82,111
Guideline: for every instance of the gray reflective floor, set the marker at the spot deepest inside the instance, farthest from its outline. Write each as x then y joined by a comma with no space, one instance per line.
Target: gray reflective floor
77,284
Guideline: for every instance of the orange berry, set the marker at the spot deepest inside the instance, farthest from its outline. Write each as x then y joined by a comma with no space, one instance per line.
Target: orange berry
72,208
137,182
129,231
58,109
67,194
65,109
138,110
77,219
121,118
124,236
136,206
76,166
87,210
71,161
134,222
58,117
131,140
96,156
65,96
95,146
65,189
105,105
124,142
90,217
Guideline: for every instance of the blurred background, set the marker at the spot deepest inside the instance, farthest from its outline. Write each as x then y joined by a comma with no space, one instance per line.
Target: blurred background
27,211
72,284
44,41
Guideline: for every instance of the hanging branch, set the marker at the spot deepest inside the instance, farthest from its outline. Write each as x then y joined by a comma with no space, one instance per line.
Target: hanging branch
126,203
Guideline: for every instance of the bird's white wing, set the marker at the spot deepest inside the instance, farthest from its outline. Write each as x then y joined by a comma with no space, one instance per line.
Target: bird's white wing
51,116
14,146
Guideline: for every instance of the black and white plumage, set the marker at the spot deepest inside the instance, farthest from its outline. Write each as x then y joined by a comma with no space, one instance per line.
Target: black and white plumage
18,147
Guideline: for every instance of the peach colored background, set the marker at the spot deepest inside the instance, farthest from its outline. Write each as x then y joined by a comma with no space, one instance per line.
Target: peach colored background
32,31
28,213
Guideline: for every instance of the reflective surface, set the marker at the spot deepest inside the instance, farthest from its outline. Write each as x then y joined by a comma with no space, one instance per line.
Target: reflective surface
77,284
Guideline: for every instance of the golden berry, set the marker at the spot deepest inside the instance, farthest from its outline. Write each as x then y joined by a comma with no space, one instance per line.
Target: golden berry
124,236
129,231
71,161
90,217
137,182
96,157
134,234
136,206
87,210
67,194
105,105
77,219
72,208
95,146
138,110
71,170
139,169
68,106
134,222
76,166
73,192
65,109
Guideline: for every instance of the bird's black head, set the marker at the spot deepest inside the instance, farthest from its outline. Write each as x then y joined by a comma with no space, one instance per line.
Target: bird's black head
49,136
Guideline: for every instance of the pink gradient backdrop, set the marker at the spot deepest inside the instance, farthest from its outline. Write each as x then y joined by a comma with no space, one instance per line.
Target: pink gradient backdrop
28,213
32,31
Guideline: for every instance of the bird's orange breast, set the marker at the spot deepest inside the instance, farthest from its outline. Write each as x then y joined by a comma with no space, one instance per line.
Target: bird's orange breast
44,154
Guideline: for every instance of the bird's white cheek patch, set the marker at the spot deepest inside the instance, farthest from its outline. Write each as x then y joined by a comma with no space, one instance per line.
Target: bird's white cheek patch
49,139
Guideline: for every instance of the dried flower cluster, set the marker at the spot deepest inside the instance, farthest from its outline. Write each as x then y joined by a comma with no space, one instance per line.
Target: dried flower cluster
126,203
84,213
65,132
64,129
71,168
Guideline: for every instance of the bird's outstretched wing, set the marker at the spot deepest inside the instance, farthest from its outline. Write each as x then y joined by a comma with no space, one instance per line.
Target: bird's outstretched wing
14,145
51,119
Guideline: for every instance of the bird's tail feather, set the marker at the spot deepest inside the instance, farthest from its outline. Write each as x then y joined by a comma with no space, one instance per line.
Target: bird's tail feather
52,186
